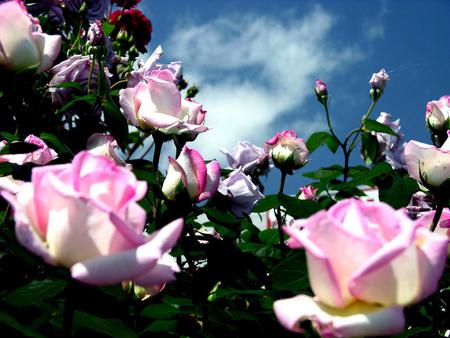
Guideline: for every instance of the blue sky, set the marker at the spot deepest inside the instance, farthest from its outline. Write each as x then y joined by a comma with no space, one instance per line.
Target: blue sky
256,63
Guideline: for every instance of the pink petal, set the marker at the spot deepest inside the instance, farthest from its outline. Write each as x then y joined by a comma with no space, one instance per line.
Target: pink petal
212,180
356,320
49,47
195,169
129,104
165,96
129,264
163,272
323,279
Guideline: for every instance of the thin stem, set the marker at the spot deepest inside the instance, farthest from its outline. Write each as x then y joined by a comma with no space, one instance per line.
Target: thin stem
91,70
157,154
279,217
366,116
327,114
437,215
118,83
148,150
136,145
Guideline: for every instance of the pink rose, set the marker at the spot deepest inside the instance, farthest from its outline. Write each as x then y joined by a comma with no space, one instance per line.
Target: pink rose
22,44
104,145
84,216
308,193
321,91
189,173
41,156
437,113
378,80
156,104
428,164
288,152
366,261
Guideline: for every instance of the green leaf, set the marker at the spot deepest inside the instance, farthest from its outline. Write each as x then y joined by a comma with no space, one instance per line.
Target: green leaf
90,99
376,126
107,28
326,174
291,273
12,322
69,84
110,327
322,138
56,144
269,236
116,122
379,171
369,148
162,326
36,292
298,208
216,215
266,203
160,311
398,191
9,137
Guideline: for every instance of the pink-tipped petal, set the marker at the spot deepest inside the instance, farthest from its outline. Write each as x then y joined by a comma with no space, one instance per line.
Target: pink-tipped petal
194,166
356,320
163,272
165,95
212,180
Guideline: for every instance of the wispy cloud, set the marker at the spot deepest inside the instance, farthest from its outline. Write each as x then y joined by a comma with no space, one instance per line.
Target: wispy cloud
374,27
256,72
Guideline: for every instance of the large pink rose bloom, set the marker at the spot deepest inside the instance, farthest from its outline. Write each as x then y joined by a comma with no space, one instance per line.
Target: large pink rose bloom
22,44
84,216
155,103
366,261
427,163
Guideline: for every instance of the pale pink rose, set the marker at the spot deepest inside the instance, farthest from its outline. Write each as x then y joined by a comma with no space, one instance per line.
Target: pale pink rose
156,104
242,193
247,156
366,261
22,44
41,156
84,216
428,164
189,173
104,145
437,113
321,90
378,80
288,152
145,69
308,193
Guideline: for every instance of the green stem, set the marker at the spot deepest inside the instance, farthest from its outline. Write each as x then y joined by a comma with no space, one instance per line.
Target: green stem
136,145
91,70
118,83
157,154
327,114
437,215
279,217
366,116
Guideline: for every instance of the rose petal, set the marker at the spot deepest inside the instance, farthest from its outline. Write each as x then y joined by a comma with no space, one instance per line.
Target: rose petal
357,320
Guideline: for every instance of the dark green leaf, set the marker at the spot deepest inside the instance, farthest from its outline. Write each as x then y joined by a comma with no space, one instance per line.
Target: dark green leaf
160,311
69,84
398,191
9,137
36,292
269,236
369,148
327,174
320,138
380,170
298,208
376,126
161,326
109,327
216,215
90,99
267,203
12,322
116,122
291,273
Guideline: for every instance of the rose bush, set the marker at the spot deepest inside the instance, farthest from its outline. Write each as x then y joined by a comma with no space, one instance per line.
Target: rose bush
365,262
84,216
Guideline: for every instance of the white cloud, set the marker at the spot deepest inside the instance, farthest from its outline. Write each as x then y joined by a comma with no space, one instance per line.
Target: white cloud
374,27
256,71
